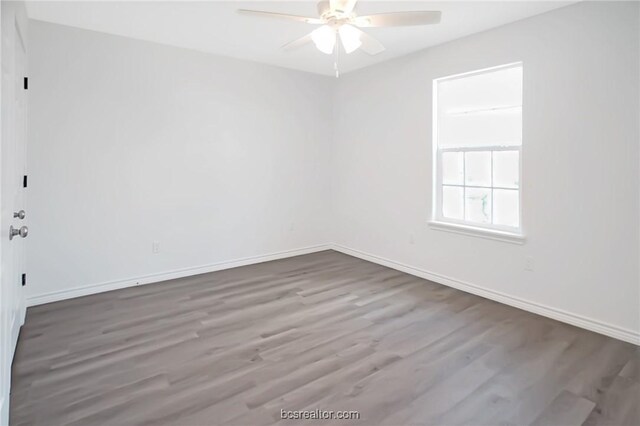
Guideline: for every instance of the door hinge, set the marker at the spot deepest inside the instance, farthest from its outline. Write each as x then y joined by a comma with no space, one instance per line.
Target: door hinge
24,181
24,280
26,83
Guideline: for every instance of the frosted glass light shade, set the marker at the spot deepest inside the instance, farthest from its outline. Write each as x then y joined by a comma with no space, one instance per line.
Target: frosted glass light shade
350,38
324,38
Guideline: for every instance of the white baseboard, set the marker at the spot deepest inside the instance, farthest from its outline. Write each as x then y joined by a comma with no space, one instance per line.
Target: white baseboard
556,314
170,275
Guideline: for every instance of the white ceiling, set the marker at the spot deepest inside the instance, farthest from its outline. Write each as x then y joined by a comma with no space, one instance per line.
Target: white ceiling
215,27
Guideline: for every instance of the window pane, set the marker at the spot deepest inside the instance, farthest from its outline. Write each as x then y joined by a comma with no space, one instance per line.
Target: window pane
506,169
505,207
477,168
498,87
478,205
480,128
480,109
452,164
452,202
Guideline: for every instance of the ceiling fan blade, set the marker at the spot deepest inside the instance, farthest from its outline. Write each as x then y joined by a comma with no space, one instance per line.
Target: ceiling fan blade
343,6
369,44
324,6
397,19
295,44
281,16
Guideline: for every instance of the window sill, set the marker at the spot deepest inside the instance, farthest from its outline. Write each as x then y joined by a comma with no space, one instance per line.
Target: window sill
472,231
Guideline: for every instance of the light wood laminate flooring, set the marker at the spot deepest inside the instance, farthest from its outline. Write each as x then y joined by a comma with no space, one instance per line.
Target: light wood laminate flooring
321,331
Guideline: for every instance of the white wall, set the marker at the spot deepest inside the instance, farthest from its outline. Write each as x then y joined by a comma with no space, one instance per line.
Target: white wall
133,142
580,164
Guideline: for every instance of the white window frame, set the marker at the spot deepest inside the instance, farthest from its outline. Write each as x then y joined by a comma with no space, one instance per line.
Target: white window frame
485,230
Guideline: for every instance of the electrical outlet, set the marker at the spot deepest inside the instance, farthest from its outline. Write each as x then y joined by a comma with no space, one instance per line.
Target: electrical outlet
528,263
412,240
155,247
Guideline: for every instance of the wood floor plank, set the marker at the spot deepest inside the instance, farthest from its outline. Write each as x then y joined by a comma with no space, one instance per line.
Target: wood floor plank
321,331
566,409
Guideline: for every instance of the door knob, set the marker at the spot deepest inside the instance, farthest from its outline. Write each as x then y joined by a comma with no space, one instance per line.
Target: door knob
20,215
23,231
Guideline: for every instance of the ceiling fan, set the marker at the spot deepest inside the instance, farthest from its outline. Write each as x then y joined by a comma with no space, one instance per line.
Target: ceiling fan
338,21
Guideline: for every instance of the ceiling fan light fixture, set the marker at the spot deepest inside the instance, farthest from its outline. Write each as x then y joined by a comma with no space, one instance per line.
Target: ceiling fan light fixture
339,20
324,38
350,38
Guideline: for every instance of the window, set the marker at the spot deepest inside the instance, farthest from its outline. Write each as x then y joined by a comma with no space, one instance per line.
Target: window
477,147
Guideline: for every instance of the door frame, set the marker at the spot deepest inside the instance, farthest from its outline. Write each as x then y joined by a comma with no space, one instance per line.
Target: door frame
13,30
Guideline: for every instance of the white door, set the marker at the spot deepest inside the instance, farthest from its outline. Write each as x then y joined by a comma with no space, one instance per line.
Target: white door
12,197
